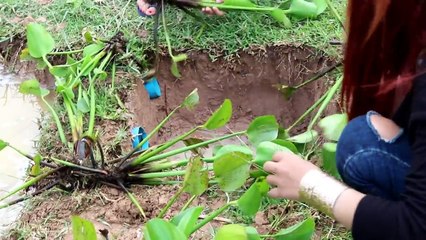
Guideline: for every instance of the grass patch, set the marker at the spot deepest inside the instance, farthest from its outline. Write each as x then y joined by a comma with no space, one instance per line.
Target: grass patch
223,35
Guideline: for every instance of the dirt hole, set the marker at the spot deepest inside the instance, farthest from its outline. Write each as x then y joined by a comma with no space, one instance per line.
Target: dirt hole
250,82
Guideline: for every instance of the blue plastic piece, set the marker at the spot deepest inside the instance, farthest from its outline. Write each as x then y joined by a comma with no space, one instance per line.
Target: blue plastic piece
139,134
153,88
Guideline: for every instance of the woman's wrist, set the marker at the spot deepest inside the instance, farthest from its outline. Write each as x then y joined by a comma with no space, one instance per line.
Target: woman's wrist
320,191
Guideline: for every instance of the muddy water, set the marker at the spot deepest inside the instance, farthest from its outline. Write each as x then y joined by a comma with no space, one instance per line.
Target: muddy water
18,126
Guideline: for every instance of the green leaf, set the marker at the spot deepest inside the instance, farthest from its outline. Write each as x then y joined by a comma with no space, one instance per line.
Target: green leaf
93,49
231,231
83,106
280,16
303,9
249,202
25,55
301,231
83,229
175,70
220,117
3,144
179,58
329,159
35,170
88,37
39,41
59,71
191,100
231,169
321,5
286,144
266,150
232,148
102,75
187,219
240,3
252,233
264,128
159,229
333,125
33,87
286,91
196,181
72,61
305,137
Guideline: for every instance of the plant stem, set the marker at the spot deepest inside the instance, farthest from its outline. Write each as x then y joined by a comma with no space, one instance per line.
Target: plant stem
170,203
29,183
92,110
327,100
132,198
159,174
113,77
188,203
163,174
57,121
68,164
167,165
71,117
68,52
187,148
319,75
307,112
156,129
335,13
223,6
166,34
163,147
212,215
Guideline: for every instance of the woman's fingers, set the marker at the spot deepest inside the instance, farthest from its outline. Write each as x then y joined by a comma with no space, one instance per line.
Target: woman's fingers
214,10
218,12
273,180
271,167
274,193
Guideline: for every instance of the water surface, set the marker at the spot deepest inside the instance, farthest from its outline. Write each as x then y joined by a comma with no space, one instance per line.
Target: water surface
18,126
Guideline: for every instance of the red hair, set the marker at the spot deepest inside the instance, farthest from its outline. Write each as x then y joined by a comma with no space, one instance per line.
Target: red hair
385,38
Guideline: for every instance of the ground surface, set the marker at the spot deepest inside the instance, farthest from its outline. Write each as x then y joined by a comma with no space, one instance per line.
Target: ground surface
251,84
241,56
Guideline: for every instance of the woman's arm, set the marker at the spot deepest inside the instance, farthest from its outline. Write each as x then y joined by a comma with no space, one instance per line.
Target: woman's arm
346,205
297,179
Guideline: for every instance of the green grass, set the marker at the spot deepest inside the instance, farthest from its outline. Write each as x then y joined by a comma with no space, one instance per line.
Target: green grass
224,35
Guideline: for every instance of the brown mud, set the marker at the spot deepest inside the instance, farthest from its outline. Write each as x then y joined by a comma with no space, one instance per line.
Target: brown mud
249,81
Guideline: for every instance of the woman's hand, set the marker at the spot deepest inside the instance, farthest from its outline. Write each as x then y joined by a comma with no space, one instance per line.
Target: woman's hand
214,10
286,171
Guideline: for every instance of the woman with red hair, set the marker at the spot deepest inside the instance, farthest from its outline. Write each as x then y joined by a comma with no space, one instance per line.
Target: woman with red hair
381,154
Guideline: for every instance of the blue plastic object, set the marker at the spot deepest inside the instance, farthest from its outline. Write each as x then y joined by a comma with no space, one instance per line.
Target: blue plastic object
153,88
139,134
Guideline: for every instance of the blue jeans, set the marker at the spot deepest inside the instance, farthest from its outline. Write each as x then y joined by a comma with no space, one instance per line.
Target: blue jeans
370,164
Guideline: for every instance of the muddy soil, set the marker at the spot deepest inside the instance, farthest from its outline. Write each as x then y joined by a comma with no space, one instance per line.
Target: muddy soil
249,81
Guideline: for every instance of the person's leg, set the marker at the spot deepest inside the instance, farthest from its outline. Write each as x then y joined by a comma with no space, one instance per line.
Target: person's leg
373,156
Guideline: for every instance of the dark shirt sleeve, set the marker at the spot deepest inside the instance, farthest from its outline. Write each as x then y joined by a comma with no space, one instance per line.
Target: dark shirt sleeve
377,218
